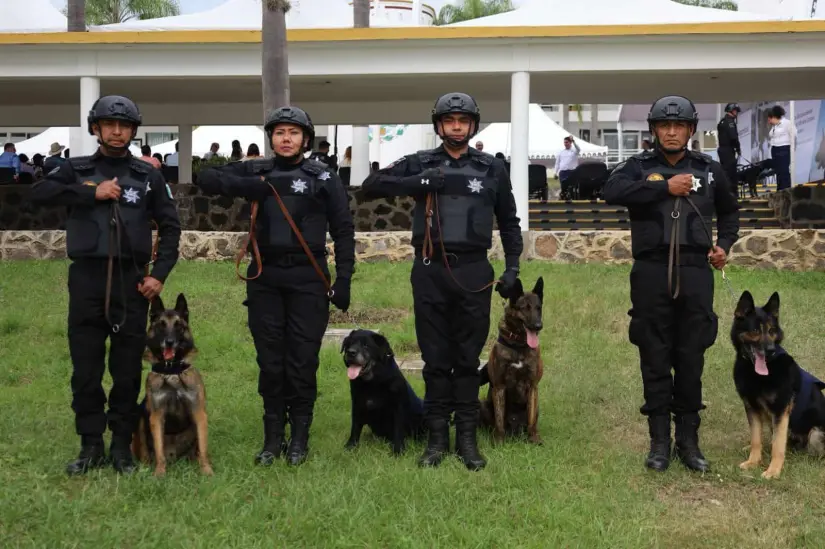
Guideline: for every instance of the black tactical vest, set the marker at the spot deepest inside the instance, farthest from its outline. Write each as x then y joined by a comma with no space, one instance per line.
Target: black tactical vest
302,190
693,229
466,204
88,228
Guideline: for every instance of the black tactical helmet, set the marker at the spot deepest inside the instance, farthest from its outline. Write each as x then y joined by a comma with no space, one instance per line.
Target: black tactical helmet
730,107
673,107
114,107
290,115
456,103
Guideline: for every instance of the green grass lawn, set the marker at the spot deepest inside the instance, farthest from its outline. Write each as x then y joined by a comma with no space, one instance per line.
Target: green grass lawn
586,487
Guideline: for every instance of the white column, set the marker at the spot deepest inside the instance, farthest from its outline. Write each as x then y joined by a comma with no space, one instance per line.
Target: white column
360,155
375,144
416,13
718,118
564,112
80,142
792,115
185,153
621,142
519,153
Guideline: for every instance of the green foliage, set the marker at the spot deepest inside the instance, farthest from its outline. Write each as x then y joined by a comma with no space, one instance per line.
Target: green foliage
109,12
471,9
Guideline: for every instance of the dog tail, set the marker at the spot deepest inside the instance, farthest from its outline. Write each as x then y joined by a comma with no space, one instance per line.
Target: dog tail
484,375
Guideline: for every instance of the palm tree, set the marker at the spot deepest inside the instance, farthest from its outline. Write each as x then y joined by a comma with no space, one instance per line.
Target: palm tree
718,4
76,15
274,58
110,12
471,9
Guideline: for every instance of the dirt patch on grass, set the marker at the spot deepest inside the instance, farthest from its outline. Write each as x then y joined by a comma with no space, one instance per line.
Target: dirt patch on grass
368,315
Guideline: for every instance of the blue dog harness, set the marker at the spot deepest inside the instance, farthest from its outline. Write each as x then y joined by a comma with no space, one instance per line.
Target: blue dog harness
808,383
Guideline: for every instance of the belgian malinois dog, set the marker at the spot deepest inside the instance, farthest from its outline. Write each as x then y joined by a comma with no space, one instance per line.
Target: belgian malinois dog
172,423
774,388
515,368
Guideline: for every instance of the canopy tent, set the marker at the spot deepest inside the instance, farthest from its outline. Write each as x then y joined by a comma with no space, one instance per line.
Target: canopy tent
610,12
204,136
30,16
304,14
41,142
545,140
787,9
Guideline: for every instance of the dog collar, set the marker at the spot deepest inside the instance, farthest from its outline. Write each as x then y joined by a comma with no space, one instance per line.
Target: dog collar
511,339
170,367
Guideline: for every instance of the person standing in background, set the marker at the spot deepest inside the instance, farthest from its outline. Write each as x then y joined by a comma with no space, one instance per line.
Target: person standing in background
782,137
566,162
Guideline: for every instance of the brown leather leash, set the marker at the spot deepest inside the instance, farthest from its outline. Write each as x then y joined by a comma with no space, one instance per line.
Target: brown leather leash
673,252
251,239
427,247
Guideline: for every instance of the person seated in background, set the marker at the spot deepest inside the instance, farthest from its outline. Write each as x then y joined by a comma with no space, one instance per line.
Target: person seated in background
10,160
252,152
374,167
25,167
146,152
158,157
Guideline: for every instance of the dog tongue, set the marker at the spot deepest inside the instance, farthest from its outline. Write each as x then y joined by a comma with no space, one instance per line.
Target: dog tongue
353,372
760,364
168,353
532,339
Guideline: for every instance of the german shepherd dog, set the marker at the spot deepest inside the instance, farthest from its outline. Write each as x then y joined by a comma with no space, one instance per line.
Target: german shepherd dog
172,424
515,368
773,388
382,398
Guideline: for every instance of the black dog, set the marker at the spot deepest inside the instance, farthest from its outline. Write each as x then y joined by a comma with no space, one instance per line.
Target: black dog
774,389
381,396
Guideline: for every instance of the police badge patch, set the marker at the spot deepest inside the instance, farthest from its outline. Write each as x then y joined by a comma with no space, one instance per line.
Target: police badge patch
169,191
87,183
655,177
130,195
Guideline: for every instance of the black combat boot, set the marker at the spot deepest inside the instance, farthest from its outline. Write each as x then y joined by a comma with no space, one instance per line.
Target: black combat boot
274,443
438,443
466,446
659,457
687,443
92,455
298,448
121,454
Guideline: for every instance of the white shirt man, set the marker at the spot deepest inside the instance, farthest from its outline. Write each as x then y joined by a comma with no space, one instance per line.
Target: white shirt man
783,133
566,162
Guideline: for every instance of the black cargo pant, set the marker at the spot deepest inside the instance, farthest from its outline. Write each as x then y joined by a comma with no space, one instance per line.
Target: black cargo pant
288,314
88,330
451,326
672,334
727,157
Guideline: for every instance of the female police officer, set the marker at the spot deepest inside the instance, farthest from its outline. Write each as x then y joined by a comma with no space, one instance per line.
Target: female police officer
287,292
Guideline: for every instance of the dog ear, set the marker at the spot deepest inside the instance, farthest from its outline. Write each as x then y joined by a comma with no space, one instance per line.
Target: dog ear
182,308
745,305
538,289
772,306
156,308
382,345
345,343
516,292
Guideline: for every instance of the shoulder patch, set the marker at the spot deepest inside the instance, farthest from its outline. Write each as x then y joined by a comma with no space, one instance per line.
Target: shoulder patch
655,177
81,163
169,191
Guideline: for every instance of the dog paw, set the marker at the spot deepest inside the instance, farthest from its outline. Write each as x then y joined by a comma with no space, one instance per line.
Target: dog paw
398,450
750,464
207,470
771,473
351,445
535,439
160,472
498,438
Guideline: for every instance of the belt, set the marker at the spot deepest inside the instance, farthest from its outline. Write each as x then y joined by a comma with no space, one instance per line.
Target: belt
462,258
291,259
687,257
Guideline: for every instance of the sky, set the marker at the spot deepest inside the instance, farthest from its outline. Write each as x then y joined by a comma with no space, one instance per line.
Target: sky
186,6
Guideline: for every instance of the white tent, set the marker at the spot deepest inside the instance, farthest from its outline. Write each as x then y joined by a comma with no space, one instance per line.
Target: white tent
545,140
204,136
30,16
610,12
304,14
41,142
785,9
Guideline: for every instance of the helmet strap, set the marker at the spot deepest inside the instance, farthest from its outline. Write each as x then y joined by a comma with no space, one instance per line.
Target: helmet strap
456,143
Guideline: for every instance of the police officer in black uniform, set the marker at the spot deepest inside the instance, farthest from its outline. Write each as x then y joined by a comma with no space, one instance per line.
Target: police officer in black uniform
322,155
672,194
287,300
729,147
112,198
452,231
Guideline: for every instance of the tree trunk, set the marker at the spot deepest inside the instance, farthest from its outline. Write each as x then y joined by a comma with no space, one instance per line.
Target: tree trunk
76,15
361,14
274,58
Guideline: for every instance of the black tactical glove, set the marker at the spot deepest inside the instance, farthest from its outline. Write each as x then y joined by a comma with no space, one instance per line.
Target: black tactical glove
508,282
430,180
341,296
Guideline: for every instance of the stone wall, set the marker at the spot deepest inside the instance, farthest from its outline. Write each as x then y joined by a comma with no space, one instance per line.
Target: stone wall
203,213
794,250
800,207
